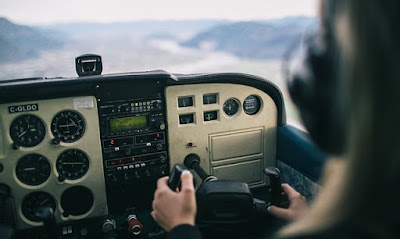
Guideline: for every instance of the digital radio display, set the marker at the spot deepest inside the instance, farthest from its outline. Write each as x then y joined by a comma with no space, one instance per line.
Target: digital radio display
127,123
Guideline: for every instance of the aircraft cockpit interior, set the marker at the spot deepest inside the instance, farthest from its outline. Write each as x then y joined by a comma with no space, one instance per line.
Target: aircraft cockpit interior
80,156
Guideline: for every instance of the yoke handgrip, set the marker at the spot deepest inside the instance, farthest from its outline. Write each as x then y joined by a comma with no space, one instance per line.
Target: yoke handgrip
175,176
275,179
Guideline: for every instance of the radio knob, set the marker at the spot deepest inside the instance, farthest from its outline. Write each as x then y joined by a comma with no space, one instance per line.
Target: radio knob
159,125
157,104
108,225
128,151
162,159
147,173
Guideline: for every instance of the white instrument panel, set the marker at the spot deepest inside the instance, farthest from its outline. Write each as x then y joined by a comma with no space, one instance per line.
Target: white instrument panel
50,150
231,127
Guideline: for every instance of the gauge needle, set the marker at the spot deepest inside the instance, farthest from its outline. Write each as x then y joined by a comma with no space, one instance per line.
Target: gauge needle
67,125
22,134
73,123
42,203
29,169
72,163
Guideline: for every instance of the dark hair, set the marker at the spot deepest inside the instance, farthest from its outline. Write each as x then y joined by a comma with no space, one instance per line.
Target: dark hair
373,81
363,193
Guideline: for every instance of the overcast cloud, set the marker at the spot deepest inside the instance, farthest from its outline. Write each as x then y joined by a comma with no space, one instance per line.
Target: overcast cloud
33,12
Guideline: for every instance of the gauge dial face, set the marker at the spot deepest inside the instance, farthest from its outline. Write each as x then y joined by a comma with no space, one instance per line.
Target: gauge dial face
33,169
210,116
186,119
251,105
72,164
231,107
185,101
76,200
209,99
34,201
27,131
68,126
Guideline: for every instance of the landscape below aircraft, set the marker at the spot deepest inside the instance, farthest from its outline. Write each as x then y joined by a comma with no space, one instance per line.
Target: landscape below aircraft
80,156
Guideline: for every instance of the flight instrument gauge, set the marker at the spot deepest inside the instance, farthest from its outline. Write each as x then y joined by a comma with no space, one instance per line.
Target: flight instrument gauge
72,164
33,169
231,107
68,126
27,131
76,200
251,105
34,201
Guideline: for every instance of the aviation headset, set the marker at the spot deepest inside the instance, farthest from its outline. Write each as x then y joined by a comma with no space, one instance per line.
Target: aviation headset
314,86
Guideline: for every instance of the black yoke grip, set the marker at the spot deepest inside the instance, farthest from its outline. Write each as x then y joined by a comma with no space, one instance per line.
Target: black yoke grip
275,179
175,176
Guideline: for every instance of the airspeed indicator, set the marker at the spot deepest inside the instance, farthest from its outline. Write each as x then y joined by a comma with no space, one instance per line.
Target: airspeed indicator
27,131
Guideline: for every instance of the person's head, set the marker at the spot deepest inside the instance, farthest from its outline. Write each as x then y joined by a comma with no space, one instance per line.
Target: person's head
365,193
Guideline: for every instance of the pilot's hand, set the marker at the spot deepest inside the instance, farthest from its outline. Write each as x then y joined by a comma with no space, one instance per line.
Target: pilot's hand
298,205
170,208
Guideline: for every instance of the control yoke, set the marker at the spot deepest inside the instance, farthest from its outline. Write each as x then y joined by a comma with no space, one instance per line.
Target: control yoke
222,201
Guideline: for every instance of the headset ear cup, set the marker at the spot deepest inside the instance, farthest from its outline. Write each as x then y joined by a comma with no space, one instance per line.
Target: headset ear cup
301,86
301,83
312,89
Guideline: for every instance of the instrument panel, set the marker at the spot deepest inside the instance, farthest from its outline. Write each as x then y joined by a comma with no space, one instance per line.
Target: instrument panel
52,156
92,148
232,128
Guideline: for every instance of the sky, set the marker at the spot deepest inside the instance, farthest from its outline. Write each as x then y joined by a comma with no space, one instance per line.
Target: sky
38,12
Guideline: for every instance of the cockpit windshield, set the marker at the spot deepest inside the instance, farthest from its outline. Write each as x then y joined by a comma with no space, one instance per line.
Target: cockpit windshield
41,38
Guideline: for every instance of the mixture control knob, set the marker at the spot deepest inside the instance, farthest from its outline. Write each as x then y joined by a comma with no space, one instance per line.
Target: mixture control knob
135,227
108,225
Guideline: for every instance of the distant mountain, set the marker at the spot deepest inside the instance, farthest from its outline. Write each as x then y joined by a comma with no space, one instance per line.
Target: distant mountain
140,29
261,39
265,39
21,42
301,21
